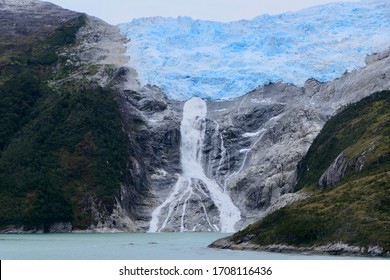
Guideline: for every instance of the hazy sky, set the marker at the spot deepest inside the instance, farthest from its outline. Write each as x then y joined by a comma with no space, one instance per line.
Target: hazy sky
117,11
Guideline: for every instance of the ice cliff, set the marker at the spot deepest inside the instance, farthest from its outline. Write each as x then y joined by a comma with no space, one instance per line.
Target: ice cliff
186,57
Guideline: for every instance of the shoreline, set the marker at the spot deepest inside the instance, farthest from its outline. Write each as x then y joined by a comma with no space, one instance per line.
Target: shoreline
64,228
331,249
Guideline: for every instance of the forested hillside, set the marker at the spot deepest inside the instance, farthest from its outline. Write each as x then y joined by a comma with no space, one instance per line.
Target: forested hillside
62,147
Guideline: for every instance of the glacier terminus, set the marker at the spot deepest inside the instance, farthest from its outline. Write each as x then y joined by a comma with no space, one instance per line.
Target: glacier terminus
212,60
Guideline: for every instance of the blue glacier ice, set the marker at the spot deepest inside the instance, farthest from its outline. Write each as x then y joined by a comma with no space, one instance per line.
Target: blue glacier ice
213,60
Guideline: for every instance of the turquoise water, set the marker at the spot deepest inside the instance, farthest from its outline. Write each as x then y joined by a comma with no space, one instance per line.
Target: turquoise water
128,246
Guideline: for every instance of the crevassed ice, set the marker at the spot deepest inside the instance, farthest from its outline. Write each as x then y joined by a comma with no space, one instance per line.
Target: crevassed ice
213,60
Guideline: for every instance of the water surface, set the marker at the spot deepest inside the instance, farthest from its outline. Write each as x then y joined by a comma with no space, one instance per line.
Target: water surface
128,246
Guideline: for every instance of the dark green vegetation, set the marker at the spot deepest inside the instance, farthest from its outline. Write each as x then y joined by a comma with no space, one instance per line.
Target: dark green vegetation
356,209
62,149
361,130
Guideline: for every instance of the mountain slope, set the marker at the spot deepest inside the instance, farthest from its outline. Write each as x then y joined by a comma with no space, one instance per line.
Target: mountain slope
350,206
64,152
356,142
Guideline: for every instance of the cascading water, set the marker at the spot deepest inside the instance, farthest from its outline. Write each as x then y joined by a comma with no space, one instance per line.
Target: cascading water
194,188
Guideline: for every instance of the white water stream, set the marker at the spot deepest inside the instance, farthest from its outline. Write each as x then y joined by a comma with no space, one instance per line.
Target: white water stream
193,180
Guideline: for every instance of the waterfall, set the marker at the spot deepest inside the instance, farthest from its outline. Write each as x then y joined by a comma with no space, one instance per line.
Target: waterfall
193,186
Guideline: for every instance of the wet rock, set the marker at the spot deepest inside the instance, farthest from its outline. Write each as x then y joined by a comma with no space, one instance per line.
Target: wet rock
335,172
344,165
60,228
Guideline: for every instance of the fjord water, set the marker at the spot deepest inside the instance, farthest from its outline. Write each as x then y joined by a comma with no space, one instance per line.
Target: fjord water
128,246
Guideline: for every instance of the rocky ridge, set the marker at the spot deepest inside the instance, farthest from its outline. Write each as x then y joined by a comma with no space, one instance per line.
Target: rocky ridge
31,17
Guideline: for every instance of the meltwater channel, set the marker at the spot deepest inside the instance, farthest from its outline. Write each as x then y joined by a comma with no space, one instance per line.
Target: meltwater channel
193,185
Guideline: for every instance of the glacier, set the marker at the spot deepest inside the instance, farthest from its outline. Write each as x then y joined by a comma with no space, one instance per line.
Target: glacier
213,60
